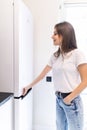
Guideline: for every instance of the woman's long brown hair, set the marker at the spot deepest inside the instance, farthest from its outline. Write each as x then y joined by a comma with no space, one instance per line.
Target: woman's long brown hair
66,30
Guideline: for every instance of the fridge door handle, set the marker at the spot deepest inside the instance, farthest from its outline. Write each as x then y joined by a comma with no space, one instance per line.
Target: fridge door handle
22,96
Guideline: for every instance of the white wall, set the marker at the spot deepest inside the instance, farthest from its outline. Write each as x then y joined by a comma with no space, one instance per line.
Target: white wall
75,1
45,14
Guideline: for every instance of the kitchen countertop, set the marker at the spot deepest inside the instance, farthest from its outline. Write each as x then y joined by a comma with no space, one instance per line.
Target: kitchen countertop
4,97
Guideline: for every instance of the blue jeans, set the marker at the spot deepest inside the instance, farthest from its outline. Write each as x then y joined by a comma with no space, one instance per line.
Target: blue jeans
69,117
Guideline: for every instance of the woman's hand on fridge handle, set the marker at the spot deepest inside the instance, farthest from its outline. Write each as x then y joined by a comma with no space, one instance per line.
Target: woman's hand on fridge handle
25,89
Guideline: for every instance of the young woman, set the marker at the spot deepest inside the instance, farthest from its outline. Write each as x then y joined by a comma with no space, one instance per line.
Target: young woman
69,68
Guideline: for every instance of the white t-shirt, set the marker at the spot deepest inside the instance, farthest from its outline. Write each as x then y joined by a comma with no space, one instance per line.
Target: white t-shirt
66,76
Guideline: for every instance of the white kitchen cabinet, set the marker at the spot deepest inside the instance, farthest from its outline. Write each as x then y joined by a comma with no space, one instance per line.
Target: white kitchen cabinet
6,115
6,45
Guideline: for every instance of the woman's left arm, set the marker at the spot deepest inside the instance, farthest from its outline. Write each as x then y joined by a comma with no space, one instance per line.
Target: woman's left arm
83,74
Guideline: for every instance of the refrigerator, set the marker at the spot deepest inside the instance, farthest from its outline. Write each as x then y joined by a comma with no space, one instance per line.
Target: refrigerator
16,56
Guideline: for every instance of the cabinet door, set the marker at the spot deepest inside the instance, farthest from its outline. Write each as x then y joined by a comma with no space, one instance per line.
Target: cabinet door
6,115
6,45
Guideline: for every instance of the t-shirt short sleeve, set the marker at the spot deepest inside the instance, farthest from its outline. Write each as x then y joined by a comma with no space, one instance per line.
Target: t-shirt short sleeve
80,57
51,60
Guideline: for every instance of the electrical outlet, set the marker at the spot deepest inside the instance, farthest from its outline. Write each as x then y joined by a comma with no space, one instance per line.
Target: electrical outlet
48,79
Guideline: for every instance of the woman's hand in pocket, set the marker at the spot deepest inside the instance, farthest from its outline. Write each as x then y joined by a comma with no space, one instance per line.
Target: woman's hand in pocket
66,101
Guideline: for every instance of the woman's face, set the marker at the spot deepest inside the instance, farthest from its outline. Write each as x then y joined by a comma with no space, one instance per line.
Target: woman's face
57,39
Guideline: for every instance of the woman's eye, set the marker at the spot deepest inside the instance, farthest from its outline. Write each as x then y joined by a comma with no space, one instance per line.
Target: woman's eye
55,33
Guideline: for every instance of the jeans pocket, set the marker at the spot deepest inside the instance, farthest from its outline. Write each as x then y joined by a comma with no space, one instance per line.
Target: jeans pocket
66,103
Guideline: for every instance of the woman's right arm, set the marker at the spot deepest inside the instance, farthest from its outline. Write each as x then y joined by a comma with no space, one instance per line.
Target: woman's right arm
40,77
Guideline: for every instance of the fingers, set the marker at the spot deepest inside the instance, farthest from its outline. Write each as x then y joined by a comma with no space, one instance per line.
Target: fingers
24,91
